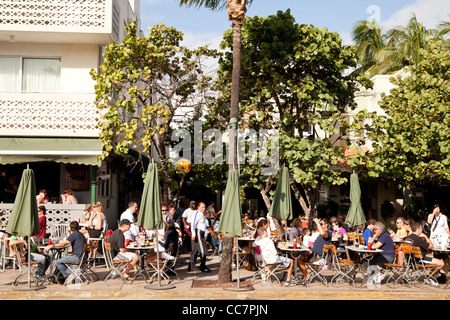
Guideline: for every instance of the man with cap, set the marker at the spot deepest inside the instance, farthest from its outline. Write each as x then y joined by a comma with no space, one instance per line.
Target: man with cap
118,250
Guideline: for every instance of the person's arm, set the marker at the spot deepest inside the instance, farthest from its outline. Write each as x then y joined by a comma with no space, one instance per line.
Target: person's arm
377,245
431,218
345,236
99,221
57,245
321,230
17,242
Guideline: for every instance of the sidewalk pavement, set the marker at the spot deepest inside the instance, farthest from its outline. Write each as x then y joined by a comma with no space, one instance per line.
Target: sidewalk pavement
116,290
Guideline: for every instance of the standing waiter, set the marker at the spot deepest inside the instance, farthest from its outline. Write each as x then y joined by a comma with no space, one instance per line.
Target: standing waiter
198,244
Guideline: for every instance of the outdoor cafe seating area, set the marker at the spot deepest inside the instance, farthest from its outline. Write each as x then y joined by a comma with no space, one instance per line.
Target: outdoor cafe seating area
348,267
338,272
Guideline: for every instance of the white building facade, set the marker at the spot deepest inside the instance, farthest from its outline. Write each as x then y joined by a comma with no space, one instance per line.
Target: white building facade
47,116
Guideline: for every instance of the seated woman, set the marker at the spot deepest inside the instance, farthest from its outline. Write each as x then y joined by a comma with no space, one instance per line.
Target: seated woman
401,233
68,197
164,241
96,225
339,228
86,215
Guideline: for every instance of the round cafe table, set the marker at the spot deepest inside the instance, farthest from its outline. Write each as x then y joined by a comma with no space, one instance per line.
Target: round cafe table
294,254
55,254
142,252
364,255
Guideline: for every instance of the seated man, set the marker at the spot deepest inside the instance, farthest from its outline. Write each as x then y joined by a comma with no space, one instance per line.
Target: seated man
118,250
270,256
77,240
418,239
382,240
35,255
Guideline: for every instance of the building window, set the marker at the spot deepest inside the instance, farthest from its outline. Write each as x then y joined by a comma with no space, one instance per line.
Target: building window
105,182
30,74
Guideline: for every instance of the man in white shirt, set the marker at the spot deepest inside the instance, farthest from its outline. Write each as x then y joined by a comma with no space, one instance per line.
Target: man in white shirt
198,244
187,217
133,232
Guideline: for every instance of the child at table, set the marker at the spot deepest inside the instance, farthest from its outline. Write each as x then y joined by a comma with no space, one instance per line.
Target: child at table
270,255
340,242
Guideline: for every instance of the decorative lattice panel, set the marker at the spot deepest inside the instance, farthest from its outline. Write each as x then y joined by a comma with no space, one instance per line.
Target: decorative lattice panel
55,213
62,13
51,118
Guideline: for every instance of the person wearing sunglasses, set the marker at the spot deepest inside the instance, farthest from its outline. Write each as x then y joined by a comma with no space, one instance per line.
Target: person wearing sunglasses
382,240
401,232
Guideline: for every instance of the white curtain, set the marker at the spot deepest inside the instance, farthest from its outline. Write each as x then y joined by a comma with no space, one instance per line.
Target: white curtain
9,74
41,75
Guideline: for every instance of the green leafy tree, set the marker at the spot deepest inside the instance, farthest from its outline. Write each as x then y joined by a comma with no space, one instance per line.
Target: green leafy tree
411,141
141,84
292,80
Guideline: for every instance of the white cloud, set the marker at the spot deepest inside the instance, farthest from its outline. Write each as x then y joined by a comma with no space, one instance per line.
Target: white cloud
194,40
151,1
212,40
430,12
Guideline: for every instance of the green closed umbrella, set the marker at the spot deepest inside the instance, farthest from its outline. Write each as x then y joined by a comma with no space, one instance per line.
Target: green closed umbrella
281,207
24,219
150,216
231,221
355,215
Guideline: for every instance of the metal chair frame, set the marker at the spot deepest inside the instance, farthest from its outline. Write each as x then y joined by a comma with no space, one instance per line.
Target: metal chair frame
343,267
80,269
115,266
317,269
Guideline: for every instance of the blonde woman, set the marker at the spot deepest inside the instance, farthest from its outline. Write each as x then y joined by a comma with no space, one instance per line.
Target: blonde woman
96,222
68,197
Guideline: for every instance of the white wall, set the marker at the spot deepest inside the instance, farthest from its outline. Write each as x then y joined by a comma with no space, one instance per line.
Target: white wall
76,63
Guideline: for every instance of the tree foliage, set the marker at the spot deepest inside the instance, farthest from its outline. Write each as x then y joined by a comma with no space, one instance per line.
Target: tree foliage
411,141
141,84
384,52
293,78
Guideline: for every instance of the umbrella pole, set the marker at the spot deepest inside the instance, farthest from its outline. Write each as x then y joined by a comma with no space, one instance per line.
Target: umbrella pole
157,259
29,264
285,230
159,287
237,263
238,288
29,287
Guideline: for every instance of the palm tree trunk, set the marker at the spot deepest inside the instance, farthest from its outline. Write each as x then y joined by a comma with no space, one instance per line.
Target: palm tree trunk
236,13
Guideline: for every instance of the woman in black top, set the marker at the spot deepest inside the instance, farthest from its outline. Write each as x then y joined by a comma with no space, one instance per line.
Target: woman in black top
171,236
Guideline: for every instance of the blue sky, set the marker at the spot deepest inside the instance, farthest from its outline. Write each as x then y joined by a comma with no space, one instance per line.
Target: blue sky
203,26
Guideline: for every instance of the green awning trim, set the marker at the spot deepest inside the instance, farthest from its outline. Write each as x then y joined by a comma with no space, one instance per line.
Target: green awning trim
65,150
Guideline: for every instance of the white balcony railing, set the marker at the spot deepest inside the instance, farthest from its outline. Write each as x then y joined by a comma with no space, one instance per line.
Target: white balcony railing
55,214
61,16
43,114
